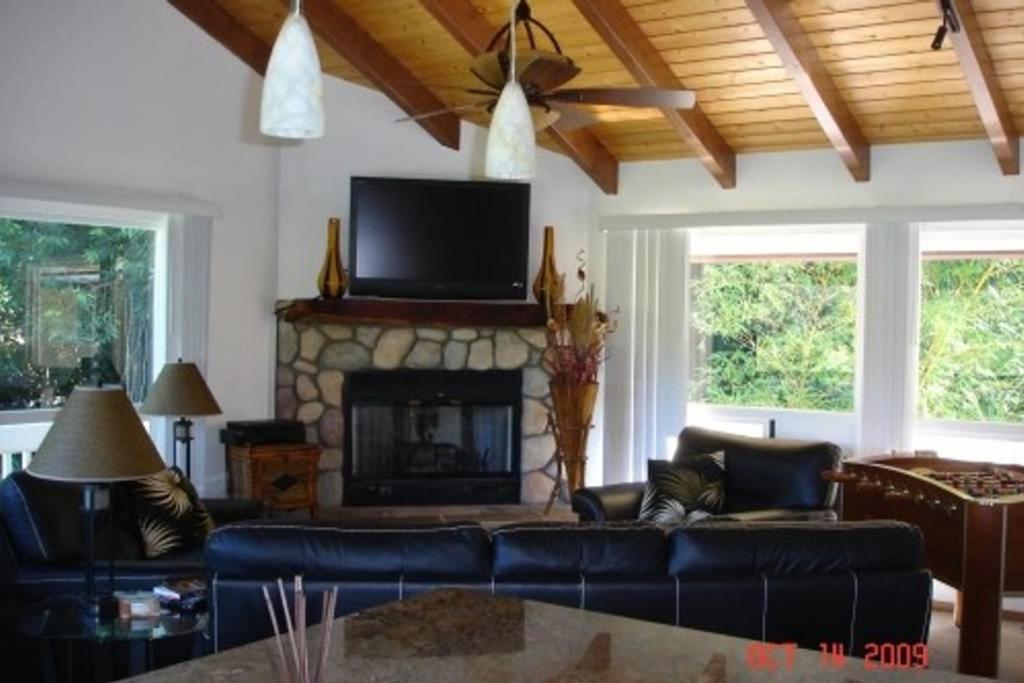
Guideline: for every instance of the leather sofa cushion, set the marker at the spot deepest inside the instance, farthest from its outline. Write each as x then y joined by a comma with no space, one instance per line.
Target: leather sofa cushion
766,473
546,550
270,550
782,549
42,517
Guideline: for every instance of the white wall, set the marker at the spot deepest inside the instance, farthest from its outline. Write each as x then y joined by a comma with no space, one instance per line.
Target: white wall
933,173
130,94
362,138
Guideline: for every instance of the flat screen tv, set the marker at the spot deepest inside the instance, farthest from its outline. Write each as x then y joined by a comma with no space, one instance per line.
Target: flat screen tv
439,239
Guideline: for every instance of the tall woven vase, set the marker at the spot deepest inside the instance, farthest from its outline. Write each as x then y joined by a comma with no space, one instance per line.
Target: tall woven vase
573,412
333,279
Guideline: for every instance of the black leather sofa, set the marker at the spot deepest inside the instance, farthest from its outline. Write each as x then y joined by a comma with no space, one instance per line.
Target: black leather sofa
41,557
765,480
42,549
849,583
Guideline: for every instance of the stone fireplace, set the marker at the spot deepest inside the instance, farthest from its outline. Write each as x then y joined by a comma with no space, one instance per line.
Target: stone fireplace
314,358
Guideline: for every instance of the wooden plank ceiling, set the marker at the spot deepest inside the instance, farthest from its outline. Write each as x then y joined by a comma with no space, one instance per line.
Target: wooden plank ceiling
870,59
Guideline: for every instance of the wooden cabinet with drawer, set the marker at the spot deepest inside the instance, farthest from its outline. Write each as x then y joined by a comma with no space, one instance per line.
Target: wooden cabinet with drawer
281,475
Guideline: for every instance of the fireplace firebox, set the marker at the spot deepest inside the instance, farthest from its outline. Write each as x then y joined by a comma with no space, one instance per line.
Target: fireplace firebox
425,437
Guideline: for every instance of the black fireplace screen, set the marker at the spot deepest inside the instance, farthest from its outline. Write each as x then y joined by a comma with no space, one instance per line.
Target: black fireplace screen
415,440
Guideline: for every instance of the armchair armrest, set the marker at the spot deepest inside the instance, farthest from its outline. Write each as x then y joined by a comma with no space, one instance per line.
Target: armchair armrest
613,503
227,510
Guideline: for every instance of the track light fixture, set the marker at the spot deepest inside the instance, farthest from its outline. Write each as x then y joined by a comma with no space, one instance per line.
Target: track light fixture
949,23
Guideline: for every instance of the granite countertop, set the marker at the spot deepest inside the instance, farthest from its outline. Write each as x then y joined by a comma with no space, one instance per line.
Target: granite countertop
457,635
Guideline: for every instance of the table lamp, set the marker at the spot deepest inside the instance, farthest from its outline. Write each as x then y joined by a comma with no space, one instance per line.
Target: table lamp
181,391
96,438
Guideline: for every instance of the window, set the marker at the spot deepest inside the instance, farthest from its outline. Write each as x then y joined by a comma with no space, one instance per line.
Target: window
970,365
76,306
774,316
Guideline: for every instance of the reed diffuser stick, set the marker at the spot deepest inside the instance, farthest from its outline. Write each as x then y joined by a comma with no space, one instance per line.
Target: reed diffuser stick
300,625
286,673
288,623
329,600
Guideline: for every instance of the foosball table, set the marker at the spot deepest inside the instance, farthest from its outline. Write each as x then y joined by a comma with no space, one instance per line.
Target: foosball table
972,517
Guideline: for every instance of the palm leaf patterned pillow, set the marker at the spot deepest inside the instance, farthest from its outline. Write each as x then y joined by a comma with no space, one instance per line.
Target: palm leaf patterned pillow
168,512
684,492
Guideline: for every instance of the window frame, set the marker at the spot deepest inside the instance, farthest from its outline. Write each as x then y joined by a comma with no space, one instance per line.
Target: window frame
968,429
46,211
853,231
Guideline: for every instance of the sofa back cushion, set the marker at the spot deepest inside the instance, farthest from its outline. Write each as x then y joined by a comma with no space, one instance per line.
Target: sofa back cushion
724,549
270,550
537,550
43,518
766,473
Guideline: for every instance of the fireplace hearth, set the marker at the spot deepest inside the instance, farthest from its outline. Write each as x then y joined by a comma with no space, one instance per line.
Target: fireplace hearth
422,437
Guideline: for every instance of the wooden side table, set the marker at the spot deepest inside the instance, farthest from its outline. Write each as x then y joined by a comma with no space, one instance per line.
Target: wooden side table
281,475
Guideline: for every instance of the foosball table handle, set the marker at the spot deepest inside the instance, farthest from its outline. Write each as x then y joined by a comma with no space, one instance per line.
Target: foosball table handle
839,476
896,494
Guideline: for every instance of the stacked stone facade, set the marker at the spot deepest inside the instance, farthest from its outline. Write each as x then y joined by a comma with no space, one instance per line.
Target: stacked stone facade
313,359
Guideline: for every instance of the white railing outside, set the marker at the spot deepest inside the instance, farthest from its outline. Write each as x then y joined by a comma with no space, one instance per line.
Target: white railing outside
12,462
17,444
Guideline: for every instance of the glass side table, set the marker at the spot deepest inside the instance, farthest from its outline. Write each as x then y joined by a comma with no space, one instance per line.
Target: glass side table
60,624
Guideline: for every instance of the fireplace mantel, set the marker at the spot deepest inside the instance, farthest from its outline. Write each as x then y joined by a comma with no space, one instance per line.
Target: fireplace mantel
352,310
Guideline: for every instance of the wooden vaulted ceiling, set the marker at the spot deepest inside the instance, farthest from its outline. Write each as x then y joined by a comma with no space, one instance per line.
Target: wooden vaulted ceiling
769,74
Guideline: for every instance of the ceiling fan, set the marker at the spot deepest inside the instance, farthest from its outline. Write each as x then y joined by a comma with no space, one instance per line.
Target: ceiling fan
541,73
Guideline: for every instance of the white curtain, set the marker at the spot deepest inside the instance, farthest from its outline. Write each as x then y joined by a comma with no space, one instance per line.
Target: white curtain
645,379
189,247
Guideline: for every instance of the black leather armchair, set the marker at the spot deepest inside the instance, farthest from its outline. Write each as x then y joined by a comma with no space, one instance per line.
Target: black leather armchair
765,480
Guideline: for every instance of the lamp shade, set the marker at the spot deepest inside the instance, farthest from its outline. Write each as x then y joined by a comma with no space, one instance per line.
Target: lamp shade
293,91
180,390
511,142
96,437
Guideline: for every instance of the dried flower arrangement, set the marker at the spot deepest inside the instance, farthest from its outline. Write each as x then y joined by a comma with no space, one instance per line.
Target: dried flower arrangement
577,334
577,339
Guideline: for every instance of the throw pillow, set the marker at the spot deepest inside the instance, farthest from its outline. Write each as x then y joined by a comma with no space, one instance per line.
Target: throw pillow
684,492
167,512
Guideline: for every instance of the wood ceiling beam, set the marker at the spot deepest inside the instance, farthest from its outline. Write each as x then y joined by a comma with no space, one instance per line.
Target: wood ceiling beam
627,41
808,72
227,31
345,36
471,29
804,66
976,64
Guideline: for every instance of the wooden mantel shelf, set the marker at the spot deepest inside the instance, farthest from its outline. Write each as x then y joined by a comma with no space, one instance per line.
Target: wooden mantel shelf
349,311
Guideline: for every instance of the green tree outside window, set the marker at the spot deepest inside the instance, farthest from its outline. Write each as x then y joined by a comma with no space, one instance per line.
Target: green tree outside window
775,334
76,306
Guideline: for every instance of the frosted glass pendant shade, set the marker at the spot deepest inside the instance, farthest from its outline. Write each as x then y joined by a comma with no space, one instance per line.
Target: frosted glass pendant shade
511,144
293,90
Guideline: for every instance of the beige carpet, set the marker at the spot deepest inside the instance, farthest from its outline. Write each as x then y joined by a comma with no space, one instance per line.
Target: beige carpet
944,639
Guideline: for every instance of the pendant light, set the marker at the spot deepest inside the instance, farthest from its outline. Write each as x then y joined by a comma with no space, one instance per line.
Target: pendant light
293,90
511,141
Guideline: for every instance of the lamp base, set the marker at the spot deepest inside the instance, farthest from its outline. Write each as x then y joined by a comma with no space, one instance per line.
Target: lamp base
97,607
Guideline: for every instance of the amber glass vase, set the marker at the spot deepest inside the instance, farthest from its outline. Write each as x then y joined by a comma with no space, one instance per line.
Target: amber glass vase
548,286
333,279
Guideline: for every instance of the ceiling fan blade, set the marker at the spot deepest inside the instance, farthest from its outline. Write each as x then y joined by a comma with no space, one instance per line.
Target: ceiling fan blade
661,98
489,69
572,118
545,70
447,110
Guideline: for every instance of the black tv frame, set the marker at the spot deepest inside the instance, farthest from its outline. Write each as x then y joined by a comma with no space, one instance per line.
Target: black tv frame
452,290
